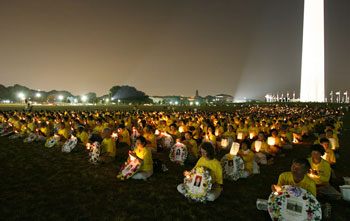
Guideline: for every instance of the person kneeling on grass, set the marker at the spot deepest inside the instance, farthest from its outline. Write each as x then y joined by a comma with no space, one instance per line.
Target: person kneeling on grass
320,173
144,155
208,161
297,177
108,147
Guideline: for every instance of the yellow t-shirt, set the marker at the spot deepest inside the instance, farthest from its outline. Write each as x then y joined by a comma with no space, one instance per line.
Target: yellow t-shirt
323,170
45,131
306,183
108,146
31,127
329,156
152,139
64,133
263,149
193,147
247,159
84,137
125,137
146,155
228,134
244,132
215,169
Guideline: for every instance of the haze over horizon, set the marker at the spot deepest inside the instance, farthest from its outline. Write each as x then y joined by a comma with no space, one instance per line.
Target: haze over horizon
162,47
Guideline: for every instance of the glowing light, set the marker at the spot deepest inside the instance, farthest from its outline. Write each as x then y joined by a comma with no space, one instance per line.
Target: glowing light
240,136
251,135
132,157
234,148
38,95
84,98
60,97
191,103
176,103
181,129
271,141
21,96
312,68
156,132
257,145
197,103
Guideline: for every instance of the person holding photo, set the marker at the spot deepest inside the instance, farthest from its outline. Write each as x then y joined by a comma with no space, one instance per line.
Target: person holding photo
208,161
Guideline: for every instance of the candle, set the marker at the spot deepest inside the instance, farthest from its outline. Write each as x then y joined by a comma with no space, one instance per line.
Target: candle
271,141
257,145
240,136
234,148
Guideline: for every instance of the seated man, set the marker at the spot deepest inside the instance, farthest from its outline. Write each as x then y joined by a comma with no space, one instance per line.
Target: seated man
297,177
329,153
108,147
320,173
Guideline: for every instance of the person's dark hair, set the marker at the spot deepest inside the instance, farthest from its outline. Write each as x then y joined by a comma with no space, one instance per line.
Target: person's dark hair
142,140
319,148
322,140
208,147
304,162
246,142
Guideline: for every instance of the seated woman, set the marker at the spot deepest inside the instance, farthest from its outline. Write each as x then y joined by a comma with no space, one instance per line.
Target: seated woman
248,158
261,150
144,155
208,161
192,148
108,146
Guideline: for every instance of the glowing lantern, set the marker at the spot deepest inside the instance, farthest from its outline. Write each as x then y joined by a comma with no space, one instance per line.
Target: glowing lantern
251,135
156,132
88,146
240,136
224,143
217,132
132,157
234,148
257,145
271,141
114,135
332,141
181,129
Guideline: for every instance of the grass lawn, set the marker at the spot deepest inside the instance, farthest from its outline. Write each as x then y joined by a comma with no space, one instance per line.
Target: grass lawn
37,183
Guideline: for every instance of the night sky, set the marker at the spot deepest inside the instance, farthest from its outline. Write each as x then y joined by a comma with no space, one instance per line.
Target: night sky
245,48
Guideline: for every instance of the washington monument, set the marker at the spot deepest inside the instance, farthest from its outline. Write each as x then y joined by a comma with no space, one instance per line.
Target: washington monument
312,65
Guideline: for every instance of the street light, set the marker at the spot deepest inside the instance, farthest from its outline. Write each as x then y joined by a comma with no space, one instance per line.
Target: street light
84,98
21,96
60,97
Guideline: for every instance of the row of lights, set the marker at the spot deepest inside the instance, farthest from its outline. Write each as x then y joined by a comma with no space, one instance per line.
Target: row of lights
22,96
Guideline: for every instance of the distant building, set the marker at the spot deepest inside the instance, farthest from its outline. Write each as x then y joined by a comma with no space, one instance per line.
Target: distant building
223,98
197,94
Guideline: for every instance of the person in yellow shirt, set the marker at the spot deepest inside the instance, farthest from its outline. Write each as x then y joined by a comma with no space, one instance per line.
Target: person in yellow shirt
44,130
144,155
333,138
297,177
108,146
63,131
276,146
248,158
192,148
151,138
208,161
242,131
261,150
124,136
320,173
174,132
82,135
329,154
